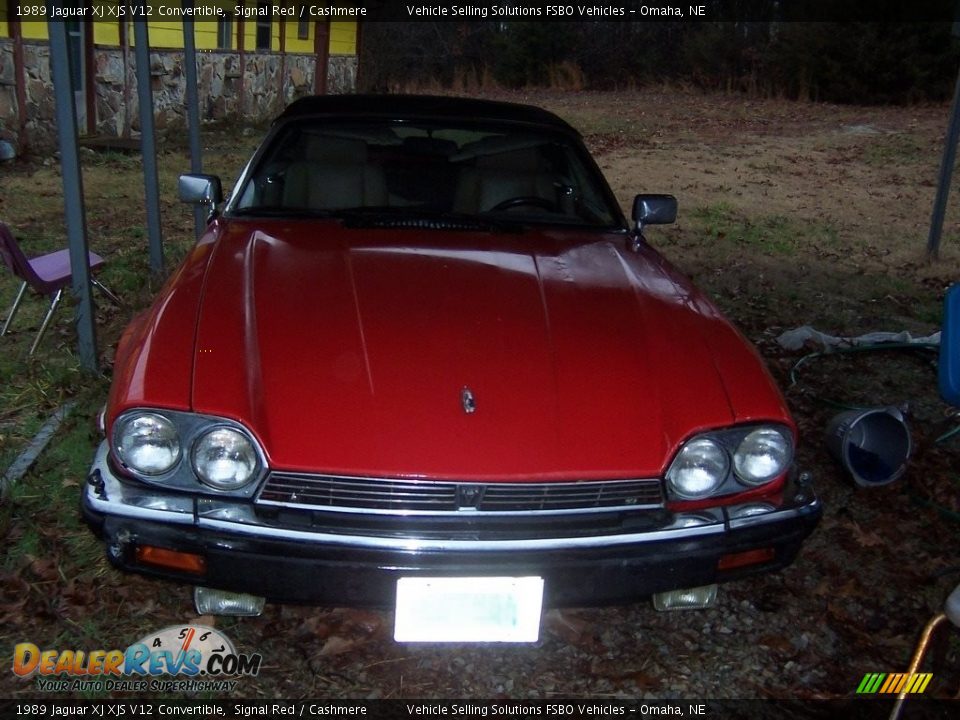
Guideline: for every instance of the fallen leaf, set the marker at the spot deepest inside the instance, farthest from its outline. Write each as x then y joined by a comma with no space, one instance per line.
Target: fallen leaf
336,644
866,538
572,629
11,614
43,569
645,681
776,642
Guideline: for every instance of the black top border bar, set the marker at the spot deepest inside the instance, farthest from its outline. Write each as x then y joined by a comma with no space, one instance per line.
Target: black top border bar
894,11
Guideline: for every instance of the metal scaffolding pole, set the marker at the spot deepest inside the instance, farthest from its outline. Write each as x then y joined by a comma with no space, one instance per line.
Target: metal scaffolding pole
73,194
193,111
946,174
148,145
947,161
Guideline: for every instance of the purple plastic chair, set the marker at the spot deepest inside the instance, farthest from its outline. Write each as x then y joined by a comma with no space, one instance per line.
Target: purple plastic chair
47,274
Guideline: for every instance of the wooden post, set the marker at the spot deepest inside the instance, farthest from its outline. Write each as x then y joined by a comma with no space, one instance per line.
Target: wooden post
358,48
321,51
89,89
283,56
243,58
20,81
125,53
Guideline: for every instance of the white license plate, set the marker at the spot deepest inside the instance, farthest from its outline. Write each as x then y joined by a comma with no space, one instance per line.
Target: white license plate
475,609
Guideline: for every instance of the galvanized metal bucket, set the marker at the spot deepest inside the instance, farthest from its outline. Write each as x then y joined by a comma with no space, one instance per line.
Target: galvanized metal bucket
873,445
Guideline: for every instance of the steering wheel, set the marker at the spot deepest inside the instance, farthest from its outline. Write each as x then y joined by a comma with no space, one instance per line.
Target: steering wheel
531,200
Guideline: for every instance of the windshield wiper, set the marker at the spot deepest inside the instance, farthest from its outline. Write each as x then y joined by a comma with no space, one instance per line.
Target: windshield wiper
281,211
394,217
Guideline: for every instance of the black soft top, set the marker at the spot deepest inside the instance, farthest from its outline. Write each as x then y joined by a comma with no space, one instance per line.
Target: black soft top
422,107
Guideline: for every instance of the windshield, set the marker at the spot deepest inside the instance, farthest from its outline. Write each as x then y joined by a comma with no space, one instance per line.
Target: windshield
404,168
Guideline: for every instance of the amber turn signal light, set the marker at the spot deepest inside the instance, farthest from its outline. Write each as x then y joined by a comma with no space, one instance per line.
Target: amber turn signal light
173,559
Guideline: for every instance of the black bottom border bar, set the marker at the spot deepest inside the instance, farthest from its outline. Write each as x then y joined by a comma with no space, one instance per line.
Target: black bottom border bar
925,708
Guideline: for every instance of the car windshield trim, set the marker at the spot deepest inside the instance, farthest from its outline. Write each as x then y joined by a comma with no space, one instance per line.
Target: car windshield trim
322,166
282,211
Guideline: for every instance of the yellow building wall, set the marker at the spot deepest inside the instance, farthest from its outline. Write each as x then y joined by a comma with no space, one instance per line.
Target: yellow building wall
295,44
164,34
169,33
34,30
106,33
205,35
343,38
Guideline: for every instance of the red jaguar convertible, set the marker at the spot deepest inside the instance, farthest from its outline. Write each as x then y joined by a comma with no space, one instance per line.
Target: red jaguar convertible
421,360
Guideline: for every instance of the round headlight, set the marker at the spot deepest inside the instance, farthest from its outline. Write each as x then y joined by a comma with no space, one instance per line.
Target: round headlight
224,459
698,469
148,443
763,454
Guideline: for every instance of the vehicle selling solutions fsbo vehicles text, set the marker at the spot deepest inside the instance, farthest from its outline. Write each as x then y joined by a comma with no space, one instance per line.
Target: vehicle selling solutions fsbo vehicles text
553,11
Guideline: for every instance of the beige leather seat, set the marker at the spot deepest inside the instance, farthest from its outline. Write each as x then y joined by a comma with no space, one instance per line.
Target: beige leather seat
496,178
334,174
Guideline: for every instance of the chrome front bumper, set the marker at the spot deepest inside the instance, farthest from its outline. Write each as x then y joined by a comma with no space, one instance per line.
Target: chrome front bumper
261,553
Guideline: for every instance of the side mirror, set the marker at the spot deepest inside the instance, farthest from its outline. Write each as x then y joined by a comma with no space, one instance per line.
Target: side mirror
950,347
654,210
200,190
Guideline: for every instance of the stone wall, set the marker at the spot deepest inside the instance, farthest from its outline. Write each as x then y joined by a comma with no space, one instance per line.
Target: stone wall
117,111
342,74
8,94
38,92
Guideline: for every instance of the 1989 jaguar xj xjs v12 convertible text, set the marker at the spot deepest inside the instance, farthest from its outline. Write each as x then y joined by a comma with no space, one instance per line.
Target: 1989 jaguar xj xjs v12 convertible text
421,360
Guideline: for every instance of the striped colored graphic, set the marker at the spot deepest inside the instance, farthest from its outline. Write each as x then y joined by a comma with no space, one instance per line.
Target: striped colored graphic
895,683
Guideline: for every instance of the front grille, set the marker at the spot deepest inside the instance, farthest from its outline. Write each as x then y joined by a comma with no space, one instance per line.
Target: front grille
410,496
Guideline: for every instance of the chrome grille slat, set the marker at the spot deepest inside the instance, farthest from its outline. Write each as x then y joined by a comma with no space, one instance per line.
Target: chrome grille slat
402,496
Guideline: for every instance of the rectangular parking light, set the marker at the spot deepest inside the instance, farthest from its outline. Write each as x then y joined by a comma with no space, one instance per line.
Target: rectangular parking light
209,601
696,598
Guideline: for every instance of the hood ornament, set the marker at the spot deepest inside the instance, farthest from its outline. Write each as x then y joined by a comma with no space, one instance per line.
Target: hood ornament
468,401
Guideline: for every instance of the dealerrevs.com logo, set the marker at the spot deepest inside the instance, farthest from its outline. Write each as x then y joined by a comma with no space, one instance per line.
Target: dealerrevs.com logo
198,657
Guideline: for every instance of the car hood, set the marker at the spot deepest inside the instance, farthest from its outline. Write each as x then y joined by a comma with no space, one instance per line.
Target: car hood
353,351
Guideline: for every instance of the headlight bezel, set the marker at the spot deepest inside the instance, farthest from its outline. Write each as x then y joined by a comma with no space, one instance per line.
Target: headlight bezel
730,439
182,475
699,444
216,484
757,481
127,423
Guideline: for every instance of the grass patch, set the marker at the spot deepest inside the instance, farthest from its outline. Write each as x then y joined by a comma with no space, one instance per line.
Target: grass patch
41,510
30,392
897,149
773,235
